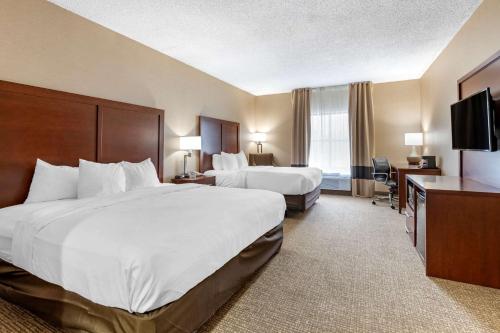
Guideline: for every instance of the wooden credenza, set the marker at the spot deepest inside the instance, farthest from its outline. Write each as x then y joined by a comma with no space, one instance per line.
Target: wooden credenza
454,223
403,169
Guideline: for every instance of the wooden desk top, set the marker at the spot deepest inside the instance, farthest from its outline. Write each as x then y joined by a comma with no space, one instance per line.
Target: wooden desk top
407,166
452,184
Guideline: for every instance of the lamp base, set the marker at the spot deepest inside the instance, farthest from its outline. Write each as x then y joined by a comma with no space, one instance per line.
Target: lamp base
184,175
413,160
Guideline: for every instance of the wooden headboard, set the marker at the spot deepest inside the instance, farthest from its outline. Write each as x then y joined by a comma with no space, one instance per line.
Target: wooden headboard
482,166
61,127
217,136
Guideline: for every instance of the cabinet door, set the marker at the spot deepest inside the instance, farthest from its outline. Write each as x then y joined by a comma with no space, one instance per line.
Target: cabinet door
421,225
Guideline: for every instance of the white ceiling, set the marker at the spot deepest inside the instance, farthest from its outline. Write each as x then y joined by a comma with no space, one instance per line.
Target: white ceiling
272,46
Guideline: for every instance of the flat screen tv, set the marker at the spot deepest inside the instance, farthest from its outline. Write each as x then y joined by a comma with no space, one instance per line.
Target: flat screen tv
473,123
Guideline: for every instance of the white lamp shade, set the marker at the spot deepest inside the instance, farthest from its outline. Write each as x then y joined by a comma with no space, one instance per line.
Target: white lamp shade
259,137
414,139
190,143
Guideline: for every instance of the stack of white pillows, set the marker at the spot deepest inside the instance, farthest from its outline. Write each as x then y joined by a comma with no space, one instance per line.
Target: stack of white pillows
226,161
89,179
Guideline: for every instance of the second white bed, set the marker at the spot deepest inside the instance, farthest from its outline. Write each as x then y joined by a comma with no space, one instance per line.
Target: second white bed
284,180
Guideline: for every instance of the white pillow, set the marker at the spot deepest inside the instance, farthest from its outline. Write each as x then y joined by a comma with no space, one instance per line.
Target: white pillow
217,162
139,175
52,182
242,159
97,179
229,161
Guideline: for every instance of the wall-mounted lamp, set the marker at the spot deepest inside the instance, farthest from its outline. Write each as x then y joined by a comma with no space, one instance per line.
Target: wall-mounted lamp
259,137
414,139
189,143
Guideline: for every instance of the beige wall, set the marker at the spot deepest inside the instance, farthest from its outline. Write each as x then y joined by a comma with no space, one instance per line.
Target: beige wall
44,45
396,108
477,40
396,112
273,115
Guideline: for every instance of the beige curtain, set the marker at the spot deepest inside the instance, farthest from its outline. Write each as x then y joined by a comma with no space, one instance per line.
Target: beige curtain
362,138
301,136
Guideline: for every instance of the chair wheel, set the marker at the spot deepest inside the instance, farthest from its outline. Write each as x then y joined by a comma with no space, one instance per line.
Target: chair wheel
393,207
373,202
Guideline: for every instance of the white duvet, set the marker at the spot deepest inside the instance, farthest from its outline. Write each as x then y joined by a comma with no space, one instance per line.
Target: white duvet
284,180
142,249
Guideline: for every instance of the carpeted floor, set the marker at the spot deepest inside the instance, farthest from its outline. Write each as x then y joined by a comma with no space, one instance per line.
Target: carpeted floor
345,266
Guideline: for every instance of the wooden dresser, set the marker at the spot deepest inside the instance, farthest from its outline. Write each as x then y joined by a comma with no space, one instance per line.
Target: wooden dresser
403,169
454,223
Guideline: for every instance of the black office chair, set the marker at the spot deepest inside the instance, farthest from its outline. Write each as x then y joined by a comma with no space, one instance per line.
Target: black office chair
382,174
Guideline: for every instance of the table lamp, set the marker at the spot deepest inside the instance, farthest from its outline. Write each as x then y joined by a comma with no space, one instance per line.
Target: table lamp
259,137
188,144
414,139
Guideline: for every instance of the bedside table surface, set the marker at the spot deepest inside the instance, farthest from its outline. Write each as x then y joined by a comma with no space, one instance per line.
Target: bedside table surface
208,180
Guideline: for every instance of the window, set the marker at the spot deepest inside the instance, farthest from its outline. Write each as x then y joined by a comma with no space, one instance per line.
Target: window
330,145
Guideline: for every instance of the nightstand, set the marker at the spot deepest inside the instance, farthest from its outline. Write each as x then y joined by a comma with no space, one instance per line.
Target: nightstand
207,180
260,159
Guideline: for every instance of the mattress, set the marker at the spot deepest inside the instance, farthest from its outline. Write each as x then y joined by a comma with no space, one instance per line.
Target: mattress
284,180
142,249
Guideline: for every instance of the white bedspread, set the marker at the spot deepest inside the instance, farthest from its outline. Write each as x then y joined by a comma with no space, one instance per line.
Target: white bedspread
284,180
142,249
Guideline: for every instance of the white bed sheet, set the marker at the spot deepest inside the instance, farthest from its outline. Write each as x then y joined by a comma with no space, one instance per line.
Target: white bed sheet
284,180
9,216
142,249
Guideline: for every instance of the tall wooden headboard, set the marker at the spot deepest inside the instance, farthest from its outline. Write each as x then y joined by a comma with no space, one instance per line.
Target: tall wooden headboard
217,136
61,127
482,166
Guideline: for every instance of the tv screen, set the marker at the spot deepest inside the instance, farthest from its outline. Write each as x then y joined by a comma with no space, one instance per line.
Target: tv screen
473,124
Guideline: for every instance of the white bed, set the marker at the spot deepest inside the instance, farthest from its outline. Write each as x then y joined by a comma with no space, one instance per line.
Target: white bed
284,180
137,250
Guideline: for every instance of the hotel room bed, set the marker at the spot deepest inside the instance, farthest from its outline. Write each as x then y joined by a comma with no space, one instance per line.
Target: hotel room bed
139,251
300,186
160,259
284,180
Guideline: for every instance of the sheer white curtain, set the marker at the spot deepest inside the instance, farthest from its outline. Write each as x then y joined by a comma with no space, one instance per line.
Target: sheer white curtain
330,147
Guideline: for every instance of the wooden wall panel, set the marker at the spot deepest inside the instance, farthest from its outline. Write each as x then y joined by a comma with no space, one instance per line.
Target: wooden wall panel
61,127
478,165
129,135
59,132
211,137
230,138
217,135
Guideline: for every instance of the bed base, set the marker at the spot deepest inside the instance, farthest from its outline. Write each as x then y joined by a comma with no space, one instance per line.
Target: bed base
302,202
76,314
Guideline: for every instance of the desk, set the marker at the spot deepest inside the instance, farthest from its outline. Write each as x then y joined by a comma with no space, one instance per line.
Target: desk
454,227
403,169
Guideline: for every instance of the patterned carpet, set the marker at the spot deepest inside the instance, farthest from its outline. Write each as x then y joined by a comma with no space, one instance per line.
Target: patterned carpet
345,266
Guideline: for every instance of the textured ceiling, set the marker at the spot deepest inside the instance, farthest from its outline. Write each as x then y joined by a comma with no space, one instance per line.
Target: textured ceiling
272,46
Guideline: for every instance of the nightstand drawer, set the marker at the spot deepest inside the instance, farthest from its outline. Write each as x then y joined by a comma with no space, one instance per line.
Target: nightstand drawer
260,159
